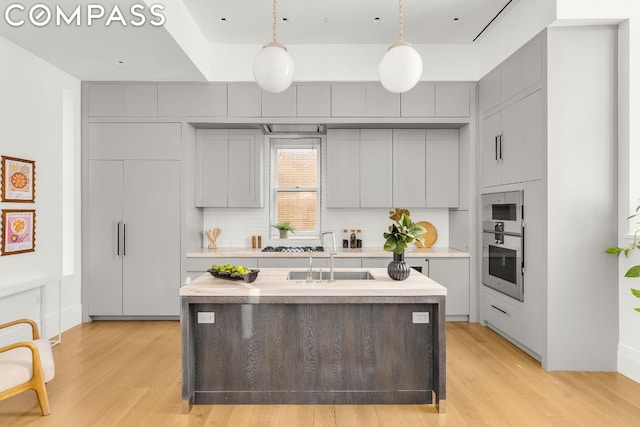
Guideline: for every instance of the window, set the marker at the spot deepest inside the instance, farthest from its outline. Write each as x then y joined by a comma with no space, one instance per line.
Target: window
295,183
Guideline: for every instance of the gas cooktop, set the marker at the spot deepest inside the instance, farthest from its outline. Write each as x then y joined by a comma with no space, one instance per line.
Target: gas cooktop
293,249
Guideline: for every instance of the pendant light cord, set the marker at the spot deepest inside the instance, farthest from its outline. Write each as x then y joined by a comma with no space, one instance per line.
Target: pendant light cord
400,19
275,19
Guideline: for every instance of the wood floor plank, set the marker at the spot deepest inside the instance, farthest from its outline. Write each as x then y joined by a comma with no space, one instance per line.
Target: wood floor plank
128,374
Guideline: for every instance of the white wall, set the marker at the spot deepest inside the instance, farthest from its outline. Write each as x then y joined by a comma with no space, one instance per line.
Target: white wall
31,119
582,198
628,11
340,62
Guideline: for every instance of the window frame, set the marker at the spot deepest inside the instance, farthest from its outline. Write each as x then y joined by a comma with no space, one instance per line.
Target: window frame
280,142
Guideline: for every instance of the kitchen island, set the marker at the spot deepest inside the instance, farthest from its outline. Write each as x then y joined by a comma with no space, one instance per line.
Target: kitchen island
288,341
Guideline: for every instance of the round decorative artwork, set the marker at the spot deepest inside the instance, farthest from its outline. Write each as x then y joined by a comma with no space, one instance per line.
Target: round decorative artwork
19,180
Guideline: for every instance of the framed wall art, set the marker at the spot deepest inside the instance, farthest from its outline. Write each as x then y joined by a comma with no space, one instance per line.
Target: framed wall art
18,180
18,231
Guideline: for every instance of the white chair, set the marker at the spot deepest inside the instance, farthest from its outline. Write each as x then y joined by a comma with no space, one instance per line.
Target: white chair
26,365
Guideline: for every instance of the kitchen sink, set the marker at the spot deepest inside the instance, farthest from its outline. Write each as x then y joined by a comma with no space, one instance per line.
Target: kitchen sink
337,275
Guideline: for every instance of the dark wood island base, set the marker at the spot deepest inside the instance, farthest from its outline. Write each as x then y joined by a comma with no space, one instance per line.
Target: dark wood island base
314,350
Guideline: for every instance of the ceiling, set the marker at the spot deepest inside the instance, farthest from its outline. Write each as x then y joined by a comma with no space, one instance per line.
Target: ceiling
343,21
146,52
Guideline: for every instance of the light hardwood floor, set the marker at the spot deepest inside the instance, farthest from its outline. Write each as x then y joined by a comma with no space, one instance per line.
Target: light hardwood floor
128,374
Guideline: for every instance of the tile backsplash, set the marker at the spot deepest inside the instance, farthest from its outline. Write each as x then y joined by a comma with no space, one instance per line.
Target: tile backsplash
239,224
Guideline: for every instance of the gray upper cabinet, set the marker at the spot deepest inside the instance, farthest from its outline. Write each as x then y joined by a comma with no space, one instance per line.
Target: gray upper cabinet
426,168
313,100
140,100
348,100
245,168
381,102
192,99
343,166
212,167
145,141
490,90
359,168
512,143
281,104
105,99
419,101
452,100
363,100
228,168
436,100
409,178
376,174
520,71
245,100
442,168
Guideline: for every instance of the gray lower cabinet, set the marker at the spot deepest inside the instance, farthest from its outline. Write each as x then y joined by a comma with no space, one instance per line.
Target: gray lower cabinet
229,168
452,273
133,250
426,168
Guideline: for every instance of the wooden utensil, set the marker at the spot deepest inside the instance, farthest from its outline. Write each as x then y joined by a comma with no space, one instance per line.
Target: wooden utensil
213,236
429,237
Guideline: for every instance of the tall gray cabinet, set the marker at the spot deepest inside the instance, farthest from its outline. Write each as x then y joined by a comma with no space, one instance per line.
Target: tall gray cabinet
133,236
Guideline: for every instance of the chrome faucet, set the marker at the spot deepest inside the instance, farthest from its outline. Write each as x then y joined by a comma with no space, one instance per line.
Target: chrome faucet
331,254
310,270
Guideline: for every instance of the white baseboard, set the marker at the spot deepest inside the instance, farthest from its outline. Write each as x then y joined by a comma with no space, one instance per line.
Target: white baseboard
70,317
629,362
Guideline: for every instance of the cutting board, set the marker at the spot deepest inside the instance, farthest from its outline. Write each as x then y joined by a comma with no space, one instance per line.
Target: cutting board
429,237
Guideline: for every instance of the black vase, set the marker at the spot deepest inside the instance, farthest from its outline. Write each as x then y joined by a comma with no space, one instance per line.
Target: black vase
398,269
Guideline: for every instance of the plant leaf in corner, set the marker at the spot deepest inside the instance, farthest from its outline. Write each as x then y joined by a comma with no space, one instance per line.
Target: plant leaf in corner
635,292
614,250
633,271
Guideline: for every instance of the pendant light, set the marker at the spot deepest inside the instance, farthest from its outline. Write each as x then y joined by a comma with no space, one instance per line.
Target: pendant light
401,67
273,67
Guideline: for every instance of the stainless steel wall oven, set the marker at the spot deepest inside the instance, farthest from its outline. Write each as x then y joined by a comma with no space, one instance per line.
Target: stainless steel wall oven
503,242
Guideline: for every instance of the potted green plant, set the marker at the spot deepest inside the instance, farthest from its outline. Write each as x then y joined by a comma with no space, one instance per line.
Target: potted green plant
284,227
402,232
635,270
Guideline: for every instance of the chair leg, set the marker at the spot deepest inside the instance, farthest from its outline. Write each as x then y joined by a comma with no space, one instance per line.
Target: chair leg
43,399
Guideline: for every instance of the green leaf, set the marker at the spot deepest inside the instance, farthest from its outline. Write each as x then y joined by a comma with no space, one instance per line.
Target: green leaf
416,229
390,244
635,292
633,271
637,309
614,250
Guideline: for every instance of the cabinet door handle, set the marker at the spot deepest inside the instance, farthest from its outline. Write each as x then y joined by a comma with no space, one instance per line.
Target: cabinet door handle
124,238
501,310
500,145
118,243
495,148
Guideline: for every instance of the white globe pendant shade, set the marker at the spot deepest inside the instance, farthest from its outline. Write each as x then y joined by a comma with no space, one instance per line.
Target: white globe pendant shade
273,68
400,68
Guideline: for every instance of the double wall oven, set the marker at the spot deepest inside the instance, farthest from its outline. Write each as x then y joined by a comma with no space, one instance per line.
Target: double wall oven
503,242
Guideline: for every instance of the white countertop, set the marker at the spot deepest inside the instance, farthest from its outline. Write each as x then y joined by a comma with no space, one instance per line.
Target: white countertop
341,253
273,282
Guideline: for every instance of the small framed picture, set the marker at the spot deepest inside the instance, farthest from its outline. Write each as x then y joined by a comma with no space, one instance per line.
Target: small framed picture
18,231
18,180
